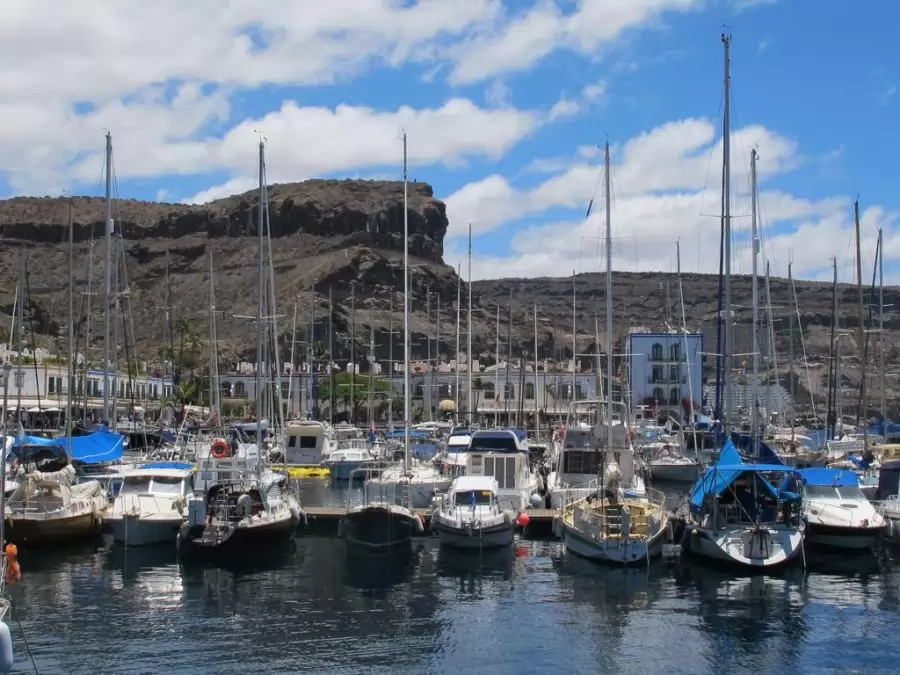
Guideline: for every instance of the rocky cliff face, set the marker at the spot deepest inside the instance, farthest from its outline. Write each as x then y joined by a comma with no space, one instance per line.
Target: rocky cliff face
344,239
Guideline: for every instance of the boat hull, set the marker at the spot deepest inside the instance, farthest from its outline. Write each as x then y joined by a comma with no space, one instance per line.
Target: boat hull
456,535
846,538
775,547
379,529
617,551
235,540
68,529
674,473
343,470
136,531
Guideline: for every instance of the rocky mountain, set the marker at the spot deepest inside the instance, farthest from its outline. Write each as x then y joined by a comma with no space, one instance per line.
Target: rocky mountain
344,239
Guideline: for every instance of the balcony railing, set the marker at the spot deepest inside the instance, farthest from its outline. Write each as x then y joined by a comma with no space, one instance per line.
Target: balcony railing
666,379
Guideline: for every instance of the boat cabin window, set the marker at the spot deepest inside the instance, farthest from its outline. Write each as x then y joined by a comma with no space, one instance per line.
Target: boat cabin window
834,492
167,485
581,461
135,485
308,442
470,497
493,443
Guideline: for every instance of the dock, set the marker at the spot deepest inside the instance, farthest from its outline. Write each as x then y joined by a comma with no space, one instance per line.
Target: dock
323,520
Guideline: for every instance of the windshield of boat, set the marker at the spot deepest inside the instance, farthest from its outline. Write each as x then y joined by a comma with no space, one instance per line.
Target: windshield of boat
167,485
135,485
831,492
476,497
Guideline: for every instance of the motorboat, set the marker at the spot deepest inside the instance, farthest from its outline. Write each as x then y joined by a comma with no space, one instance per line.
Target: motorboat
580,457
748,515
471,516
837,513
502,454
348,458
305,444
151,504
670,464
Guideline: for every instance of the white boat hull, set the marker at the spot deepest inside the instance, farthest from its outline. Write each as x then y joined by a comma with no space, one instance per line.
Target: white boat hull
617,551
846,538
774,546
343,470
457,535
137,531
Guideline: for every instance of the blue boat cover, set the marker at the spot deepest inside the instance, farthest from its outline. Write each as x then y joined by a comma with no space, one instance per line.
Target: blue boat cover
167,465
766,454
521,434
832,477
96,447
720,476
413,433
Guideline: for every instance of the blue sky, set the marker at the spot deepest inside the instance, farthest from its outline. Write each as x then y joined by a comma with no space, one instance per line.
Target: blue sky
504,104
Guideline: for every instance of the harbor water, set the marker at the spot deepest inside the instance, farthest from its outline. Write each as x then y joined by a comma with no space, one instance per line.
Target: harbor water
309,608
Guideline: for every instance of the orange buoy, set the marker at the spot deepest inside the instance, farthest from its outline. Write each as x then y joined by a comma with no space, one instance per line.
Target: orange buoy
220,449
523,520
13,571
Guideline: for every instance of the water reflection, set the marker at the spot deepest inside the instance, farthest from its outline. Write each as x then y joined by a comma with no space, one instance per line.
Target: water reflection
378,572
753,622
468,565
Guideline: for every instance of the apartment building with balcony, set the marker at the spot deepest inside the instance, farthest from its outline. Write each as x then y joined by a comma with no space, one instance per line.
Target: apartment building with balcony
664,369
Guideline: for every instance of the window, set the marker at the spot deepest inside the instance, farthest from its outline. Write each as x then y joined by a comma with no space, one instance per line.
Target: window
240,391
658,395
167,485
657,374
136,485
674,396
579,392
675,352
675,374
657,352
509,391
51,385
529,390
473,498
95,387
284,389
488,391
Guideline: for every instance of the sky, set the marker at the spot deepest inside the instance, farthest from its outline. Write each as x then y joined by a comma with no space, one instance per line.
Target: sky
506,105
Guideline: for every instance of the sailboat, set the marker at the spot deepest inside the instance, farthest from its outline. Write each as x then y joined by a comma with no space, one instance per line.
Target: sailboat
618,521
237,502
746,514
385,520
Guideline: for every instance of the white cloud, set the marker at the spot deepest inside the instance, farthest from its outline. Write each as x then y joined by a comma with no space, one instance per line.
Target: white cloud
513,44
675,156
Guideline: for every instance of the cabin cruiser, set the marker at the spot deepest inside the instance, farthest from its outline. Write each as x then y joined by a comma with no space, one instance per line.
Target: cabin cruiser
667,462
306,443
471,516
580,457
456,452
422,480
737,515
151,504
346,460
501,453
837,513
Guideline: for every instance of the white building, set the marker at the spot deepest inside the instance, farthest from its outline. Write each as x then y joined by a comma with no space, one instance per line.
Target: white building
664,369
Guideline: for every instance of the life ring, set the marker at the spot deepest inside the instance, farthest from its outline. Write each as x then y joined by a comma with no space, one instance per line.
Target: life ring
561,432
220,449
13,571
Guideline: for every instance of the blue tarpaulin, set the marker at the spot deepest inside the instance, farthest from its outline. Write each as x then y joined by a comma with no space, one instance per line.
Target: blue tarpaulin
829,477
182,466
730,466
96,447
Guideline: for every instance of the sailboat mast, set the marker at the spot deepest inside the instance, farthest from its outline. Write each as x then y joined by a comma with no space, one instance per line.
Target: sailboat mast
574,343
471,412
537,421
352,353
881,330
754,415
107,239
406,411
609,304
331,393
687,356
458,308
861,331
497,370
391,357
71,330
213,343
261,287
293,346
726,225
